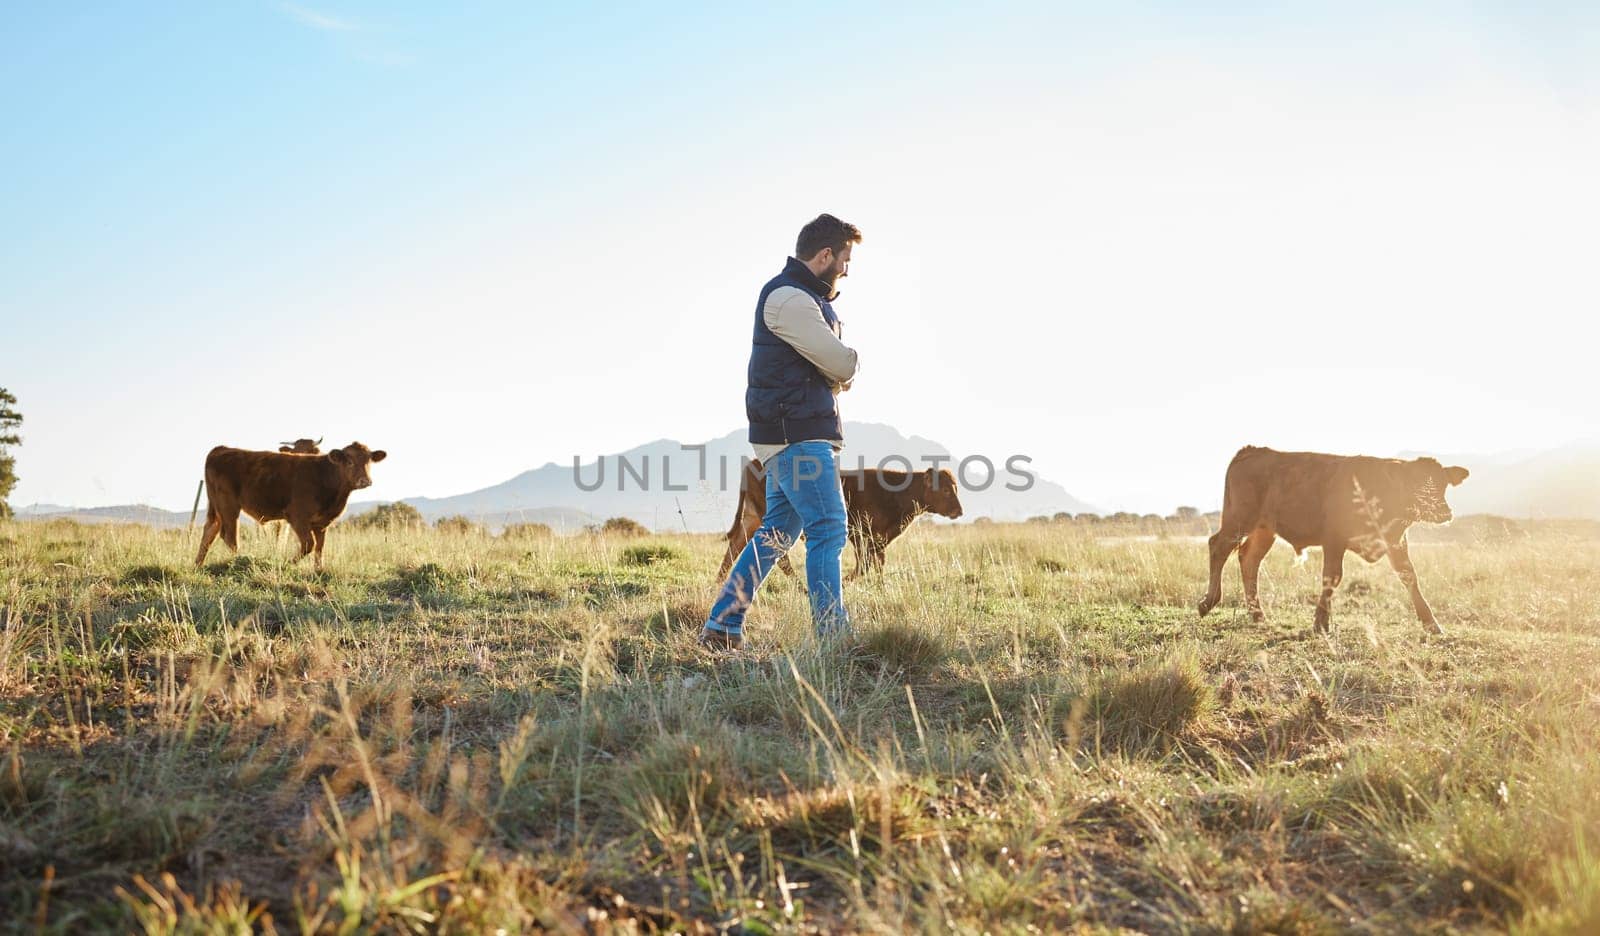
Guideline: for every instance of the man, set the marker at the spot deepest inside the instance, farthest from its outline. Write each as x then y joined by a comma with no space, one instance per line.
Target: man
798,367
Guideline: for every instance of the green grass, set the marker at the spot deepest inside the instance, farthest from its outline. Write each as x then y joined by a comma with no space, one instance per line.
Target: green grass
1031,732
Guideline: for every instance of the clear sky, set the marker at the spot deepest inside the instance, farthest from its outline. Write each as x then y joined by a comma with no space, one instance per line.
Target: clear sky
488,236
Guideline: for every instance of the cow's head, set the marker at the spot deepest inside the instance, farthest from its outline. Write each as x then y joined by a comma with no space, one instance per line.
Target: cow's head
301,447
1427,481
940,494
354,462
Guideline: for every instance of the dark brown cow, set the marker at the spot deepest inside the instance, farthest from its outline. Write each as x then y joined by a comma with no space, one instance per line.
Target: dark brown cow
879,503
309,491
1338,502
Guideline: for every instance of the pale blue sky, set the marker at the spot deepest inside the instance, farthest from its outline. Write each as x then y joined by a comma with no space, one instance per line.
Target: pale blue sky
486,237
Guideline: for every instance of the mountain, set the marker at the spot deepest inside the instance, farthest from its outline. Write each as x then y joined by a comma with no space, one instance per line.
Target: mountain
667,485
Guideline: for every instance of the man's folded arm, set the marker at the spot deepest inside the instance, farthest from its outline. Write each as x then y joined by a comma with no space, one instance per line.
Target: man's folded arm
797,319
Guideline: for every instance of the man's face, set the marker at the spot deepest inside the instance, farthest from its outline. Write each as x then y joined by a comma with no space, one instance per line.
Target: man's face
838,264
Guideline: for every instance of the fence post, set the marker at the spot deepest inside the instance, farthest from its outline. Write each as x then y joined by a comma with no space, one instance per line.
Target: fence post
196,509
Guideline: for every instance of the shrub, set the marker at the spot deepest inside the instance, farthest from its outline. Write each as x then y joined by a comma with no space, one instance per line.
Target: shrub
458,526
527,531
621,526
396,516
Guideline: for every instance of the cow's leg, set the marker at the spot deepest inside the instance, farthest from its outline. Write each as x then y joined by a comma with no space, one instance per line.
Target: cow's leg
230,527
1400,558
1223,543
318,535
877,549
1332,575
1250,555
208,534
858,545
308,542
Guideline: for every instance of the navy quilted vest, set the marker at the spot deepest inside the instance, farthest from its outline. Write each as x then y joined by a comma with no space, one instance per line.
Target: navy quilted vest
787,399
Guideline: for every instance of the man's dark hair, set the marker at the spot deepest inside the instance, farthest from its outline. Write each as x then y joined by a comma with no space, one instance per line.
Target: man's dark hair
825,231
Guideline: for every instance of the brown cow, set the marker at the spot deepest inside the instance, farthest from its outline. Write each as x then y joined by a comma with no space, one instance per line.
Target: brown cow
1337,502
309,491
882,502
879,503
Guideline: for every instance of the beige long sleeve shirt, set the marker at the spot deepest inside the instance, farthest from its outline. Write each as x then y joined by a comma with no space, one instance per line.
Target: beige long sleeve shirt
795,317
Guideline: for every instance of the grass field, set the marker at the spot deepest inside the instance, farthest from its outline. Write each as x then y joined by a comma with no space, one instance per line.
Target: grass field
1033,732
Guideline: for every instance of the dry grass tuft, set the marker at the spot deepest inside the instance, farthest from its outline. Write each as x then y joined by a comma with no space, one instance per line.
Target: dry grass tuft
1153,706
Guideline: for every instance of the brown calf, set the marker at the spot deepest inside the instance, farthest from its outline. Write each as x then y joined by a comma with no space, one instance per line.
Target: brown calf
882,502
309,491
879,503
1338,502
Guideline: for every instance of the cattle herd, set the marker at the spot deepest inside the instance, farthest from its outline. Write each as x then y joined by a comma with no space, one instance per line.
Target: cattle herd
1337,502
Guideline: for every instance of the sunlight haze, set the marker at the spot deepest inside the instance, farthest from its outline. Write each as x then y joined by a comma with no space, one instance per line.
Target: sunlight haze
1124,245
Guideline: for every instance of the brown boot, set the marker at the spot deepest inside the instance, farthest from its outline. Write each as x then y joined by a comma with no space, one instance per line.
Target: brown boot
718,642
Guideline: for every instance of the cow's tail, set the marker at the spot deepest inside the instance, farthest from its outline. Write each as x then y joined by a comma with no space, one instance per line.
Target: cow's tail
738,513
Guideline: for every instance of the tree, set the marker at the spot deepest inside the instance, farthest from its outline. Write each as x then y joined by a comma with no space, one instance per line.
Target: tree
10,419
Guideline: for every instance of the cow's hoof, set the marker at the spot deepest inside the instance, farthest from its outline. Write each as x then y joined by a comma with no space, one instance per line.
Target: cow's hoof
1206,604
1433,628
1258,617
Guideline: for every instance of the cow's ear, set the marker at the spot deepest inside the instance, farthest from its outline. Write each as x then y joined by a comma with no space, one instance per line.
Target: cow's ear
338,457
379,455
1455,474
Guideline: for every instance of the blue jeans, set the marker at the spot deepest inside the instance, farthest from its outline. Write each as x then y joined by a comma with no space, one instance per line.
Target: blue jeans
803,495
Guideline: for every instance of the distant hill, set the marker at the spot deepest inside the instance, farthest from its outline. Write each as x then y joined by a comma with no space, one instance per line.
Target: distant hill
659,484
126,513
